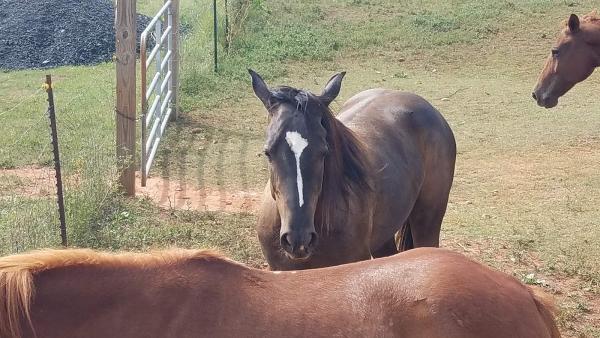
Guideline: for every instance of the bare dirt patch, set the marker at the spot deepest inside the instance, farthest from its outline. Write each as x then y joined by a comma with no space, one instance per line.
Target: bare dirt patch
173,194
33,181
28,181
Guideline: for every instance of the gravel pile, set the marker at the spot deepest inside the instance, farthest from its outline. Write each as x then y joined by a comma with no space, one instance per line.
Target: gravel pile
50,33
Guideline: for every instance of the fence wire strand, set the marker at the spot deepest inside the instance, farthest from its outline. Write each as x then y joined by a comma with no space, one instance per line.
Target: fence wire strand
21,102
85,123
85,113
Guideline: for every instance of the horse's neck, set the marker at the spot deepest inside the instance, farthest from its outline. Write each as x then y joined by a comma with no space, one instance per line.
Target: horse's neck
346,177
597,53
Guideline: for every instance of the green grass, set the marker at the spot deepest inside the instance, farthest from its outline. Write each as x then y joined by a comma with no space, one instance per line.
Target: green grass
137,224
526,191
27,218
84,98
323,31
525,194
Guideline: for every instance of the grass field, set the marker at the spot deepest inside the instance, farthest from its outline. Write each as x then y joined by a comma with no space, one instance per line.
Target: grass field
526,192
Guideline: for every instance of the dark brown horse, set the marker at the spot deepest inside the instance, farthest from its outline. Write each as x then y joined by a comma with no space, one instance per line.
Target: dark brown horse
574,57
426,292
341,188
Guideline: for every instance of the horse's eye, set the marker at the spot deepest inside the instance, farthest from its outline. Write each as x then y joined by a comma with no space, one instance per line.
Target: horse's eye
555,52
267,153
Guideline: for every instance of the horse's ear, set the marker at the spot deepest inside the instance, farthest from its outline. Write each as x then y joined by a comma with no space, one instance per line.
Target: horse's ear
260,88
573,23
332,89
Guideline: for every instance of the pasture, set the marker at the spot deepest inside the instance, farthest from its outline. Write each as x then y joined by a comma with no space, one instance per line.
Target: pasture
526,192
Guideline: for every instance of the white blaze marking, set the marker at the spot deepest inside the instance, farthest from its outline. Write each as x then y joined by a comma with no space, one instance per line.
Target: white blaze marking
297,143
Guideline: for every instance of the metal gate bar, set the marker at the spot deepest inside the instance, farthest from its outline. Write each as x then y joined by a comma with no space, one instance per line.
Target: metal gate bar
154,120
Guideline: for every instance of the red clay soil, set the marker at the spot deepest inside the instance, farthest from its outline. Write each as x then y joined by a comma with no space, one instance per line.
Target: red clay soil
32,181
171,194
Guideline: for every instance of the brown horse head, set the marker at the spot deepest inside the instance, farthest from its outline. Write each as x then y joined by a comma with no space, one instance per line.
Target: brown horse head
296,147
573,59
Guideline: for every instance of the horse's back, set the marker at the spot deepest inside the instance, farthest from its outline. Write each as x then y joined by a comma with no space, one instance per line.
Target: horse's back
424,292
392,109
403,119
399,126
463,298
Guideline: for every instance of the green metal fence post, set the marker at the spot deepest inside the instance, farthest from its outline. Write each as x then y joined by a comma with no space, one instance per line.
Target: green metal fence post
215,32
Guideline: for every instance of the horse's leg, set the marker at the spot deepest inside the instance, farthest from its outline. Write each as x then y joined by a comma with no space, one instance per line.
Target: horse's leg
425,219
425,224
387,249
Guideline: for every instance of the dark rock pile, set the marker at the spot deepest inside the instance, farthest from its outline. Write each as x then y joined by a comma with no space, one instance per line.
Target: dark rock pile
50,33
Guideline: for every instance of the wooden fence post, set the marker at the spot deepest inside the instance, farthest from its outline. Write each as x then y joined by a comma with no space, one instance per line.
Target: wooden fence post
125,22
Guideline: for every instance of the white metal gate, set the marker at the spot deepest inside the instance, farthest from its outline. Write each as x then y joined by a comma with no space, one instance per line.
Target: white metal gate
162,88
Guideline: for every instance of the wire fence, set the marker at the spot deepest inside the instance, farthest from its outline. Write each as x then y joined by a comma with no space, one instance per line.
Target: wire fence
84,104
211,26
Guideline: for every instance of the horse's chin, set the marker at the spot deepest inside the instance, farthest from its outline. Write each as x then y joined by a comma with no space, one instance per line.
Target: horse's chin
298,258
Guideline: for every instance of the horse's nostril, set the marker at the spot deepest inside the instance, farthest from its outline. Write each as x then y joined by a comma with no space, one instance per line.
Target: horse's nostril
534,96
285,241
298,244
313,239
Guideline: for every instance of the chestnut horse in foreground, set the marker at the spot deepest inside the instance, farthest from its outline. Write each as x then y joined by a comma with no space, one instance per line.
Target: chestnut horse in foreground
574,57
426,292
340,188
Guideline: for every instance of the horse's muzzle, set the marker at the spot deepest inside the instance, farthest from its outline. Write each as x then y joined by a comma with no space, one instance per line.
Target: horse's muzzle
298,245
544,101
